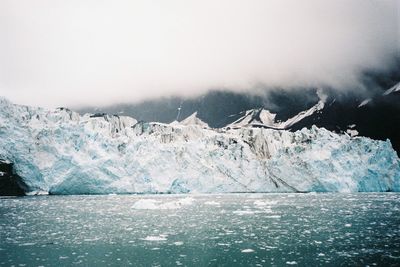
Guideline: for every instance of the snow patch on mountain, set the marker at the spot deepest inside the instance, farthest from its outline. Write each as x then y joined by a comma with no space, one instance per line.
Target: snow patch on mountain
395,88
264,118
255,117
352,132
194,120
60,152
365,102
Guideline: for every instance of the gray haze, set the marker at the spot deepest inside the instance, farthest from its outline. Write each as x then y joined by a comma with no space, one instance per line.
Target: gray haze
92,52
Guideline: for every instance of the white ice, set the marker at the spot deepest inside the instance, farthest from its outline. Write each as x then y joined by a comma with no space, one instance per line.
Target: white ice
60,152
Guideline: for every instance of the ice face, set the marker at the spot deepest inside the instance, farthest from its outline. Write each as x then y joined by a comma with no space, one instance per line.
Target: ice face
60,152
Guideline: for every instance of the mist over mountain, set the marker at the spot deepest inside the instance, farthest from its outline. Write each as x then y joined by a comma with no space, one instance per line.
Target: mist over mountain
379,118
83,53
215,107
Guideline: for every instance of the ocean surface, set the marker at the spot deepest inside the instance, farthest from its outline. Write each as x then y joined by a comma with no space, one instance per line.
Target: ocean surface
201,230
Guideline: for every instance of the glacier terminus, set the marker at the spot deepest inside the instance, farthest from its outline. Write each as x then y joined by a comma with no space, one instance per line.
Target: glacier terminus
61,152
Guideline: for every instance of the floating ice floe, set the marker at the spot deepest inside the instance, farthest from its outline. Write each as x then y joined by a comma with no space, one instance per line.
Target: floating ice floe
155,238
212,203
152,204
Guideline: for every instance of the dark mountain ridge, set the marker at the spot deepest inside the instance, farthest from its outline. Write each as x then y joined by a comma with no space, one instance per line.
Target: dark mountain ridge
372,111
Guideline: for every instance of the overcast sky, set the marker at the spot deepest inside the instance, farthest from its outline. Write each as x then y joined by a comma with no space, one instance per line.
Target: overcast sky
98,52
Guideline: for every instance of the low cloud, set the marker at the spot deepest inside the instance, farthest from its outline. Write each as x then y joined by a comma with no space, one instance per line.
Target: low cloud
89,52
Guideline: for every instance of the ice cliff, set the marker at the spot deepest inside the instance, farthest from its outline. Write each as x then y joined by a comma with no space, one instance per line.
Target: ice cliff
60,152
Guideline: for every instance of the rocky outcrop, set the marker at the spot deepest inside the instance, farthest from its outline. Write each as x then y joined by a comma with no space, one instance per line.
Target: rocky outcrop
10,183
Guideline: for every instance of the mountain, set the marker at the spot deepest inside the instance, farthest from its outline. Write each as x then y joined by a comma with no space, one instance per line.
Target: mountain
61,152
194,120
265,119
255,118
216,108
373,113
377,116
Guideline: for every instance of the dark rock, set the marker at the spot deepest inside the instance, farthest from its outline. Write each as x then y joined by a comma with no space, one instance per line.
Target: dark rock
98,115
10,183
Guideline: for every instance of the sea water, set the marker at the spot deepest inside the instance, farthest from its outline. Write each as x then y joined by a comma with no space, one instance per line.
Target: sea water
201,230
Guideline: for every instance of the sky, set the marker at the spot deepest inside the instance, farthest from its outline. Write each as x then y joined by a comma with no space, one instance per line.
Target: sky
100,52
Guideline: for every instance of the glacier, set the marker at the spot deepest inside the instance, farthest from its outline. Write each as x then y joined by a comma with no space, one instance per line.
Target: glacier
61,152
